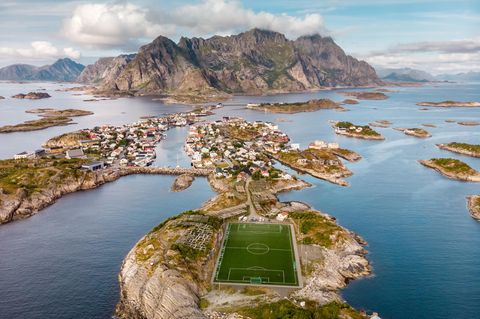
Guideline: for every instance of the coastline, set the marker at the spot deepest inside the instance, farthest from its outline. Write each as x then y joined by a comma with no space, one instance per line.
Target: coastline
473,206
21,205
155,282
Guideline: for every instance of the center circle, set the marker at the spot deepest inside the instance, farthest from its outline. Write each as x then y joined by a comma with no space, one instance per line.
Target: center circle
258,249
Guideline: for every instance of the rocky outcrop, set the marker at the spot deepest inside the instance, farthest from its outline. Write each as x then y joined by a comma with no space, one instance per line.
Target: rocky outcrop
473,204
22,204
105,69
333,268
62,70
182,182
156,291
256,61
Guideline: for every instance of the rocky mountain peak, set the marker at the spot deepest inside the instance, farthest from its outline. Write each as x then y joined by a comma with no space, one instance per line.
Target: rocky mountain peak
255,61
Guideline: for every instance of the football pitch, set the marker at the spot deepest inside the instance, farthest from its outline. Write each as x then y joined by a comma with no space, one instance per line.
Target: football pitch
257,254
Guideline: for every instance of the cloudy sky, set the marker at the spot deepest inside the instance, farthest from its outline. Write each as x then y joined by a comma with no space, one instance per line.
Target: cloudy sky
439,36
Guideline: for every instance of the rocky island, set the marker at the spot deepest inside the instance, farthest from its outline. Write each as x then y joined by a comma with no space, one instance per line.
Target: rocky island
291,108
32,96
318,163
450,104
1,97
357,131
473,204
469,123
453,168
417,132
48,118
461,148
182,182
350,101
164,276
365,95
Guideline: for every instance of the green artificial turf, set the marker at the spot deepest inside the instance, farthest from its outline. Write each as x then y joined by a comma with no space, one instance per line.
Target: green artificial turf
259,254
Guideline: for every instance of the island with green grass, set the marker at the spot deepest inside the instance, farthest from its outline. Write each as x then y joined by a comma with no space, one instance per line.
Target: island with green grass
473,204
48,118
472,150
297,107
450,103
453,168
357,131
415,131
319,163
364,95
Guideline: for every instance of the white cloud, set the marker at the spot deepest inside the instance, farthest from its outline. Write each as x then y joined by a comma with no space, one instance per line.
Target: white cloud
212,16
433,56
124,25
38,50
108,25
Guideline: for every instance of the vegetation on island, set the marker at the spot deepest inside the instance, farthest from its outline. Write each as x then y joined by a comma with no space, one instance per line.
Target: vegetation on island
37,174
453,165
311,310
297,107
319,163
462,148
48,118
316,229
366,95
453,168
361,131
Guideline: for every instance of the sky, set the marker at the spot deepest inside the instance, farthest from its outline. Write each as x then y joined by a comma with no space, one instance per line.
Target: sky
437,36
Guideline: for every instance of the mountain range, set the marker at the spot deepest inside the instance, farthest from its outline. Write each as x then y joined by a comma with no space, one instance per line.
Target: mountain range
64,70
256,61
405,75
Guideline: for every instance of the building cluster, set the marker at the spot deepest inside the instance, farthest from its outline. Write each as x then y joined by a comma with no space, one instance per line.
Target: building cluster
319,145
352,128
128,145
232,144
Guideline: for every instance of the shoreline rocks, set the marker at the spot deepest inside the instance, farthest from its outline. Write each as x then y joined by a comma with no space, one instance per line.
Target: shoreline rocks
473,205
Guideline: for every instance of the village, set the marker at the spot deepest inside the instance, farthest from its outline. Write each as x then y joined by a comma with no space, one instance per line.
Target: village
233,146
128,145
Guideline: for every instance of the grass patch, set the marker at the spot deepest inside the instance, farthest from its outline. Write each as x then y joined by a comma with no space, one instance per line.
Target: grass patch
315,228
474,148
286,309
453,165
